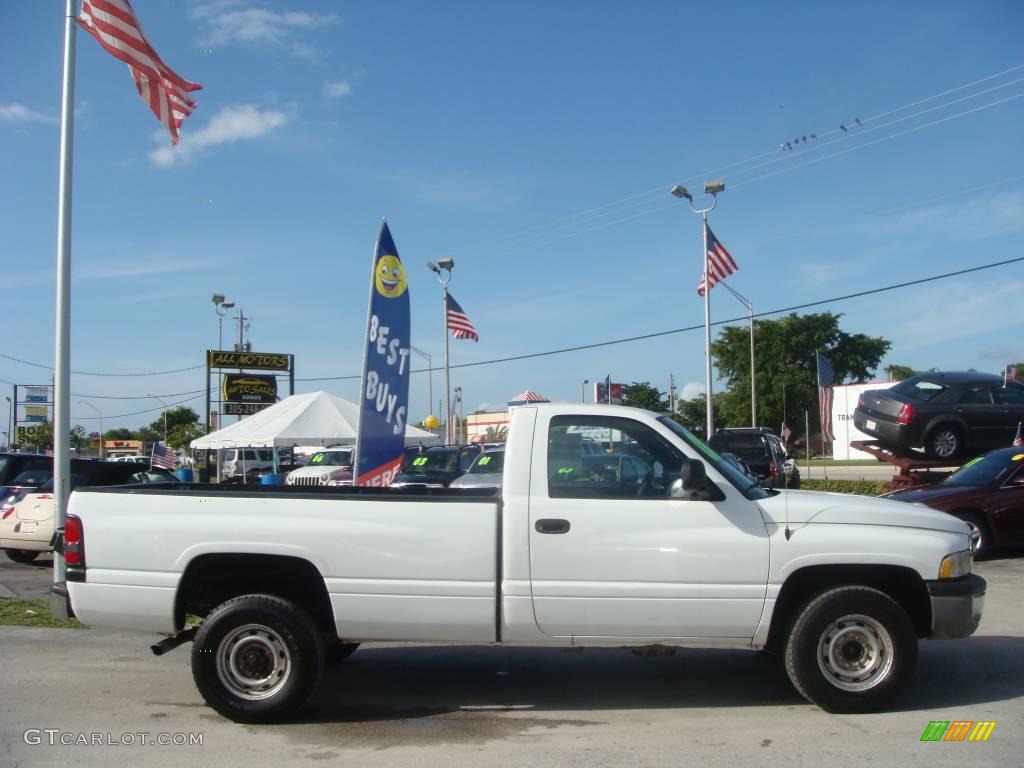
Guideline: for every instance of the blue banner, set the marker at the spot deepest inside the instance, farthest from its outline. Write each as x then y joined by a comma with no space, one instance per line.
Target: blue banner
384,394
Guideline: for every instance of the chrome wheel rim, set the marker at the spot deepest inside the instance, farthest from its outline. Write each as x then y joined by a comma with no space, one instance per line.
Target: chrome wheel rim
977,539
253,662
855,653
944,443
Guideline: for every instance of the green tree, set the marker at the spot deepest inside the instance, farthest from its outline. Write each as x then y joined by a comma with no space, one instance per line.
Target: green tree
119,433
180,416
79,438
786,368
898,372
693,414
182,434
642,394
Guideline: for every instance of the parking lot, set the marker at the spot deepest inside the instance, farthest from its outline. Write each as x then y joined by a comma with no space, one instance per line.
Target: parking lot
470,705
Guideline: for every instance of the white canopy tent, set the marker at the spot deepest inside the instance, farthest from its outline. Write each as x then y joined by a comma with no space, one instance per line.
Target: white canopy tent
317,418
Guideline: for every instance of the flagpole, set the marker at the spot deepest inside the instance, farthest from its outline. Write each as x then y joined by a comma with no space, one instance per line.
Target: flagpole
62,364
707,333
447,373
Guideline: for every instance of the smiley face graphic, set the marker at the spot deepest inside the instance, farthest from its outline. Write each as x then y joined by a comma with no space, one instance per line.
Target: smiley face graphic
390,277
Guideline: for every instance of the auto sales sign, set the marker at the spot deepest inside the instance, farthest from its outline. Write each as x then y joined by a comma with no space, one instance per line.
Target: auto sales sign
384,394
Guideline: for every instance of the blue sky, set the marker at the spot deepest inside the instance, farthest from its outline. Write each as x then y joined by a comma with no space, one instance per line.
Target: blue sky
533,142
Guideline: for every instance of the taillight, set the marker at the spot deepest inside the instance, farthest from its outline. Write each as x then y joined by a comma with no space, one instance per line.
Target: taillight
773,470
906,414
74,545
7,512
860,400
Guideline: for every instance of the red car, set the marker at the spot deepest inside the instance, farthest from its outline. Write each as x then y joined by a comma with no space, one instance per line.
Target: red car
987,493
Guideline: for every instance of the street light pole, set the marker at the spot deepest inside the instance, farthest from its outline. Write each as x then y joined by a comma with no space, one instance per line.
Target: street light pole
430,378
103,453
583,390
753,376
710,188
446,266
164,403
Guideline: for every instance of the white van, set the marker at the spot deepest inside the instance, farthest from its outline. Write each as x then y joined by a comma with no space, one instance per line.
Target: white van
235,461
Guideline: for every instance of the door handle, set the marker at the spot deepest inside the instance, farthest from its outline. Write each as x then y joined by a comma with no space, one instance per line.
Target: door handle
549,525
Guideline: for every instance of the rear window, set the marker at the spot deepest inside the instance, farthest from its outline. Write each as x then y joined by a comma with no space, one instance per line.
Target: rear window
744,446
919,389
446,461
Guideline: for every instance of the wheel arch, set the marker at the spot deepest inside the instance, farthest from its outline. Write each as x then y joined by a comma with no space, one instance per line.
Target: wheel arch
213,578
902,584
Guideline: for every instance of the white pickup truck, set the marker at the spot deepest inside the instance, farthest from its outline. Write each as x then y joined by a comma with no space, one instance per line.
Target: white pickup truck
657,541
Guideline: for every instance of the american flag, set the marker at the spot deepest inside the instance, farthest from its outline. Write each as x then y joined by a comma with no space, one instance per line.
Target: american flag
162,457
458,323
1019,439
115,27
720,263
826,380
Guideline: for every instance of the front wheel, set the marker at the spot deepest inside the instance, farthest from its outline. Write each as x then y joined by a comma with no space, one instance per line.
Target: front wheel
256,658
851,649
21,555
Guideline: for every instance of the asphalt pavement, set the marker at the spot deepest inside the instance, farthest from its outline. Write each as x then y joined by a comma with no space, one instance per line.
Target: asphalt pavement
456,706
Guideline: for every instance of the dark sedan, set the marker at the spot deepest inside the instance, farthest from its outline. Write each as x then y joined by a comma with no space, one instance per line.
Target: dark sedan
947,414
436,467
987,493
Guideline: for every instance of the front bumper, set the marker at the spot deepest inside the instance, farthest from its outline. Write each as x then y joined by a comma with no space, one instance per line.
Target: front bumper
957,605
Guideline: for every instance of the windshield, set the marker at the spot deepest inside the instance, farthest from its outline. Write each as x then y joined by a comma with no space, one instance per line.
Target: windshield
985,470
441,461
332,458
490,462
749,487
919,389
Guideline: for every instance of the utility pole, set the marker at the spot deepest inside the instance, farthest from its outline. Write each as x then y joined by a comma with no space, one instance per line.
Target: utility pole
671,393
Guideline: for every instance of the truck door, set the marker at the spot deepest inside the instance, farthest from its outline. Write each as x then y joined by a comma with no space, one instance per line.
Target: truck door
614,556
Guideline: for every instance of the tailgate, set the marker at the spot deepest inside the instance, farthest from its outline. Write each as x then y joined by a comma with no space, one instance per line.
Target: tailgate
883,404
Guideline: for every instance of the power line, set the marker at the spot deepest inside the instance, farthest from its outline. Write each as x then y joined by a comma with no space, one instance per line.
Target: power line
138,413
586,215
741,318
88,373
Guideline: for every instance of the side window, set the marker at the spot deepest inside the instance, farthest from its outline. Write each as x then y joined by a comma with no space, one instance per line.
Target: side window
574,472
466,459
1010,395
976,395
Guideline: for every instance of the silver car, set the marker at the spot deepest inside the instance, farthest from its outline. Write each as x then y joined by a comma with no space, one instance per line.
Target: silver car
485,471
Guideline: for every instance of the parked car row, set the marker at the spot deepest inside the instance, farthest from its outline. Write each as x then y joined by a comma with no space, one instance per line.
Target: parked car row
27,511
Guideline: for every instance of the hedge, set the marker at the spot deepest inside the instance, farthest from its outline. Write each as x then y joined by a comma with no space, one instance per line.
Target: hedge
862,487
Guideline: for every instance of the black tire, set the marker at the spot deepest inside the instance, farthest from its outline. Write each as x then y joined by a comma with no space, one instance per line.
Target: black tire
979,532
256,658
338,652
22,555
851,649
944,442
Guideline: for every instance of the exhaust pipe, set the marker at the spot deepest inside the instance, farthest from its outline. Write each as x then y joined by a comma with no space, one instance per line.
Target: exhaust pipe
172,642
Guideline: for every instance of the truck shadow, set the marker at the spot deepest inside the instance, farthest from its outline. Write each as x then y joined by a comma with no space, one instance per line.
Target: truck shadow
408,682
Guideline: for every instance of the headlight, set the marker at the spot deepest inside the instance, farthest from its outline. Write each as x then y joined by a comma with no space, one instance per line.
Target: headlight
955,565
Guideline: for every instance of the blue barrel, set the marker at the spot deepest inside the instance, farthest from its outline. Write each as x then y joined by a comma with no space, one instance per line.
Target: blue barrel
183,475
271,479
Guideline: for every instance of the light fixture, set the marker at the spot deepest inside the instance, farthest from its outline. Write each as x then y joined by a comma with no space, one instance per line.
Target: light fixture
680,191
714,186
446,263
218,298
433,267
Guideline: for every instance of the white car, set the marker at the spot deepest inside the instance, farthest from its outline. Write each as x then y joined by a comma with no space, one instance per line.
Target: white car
26,518
330,466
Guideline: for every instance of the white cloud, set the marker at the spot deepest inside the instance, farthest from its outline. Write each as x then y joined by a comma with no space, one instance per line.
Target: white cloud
691,390
226,23
336,89
945,313
19,113
232,123
997,214
128,268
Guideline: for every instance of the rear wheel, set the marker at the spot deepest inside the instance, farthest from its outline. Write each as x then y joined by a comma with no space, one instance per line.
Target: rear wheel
256,658
851,649
22,555
944,442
